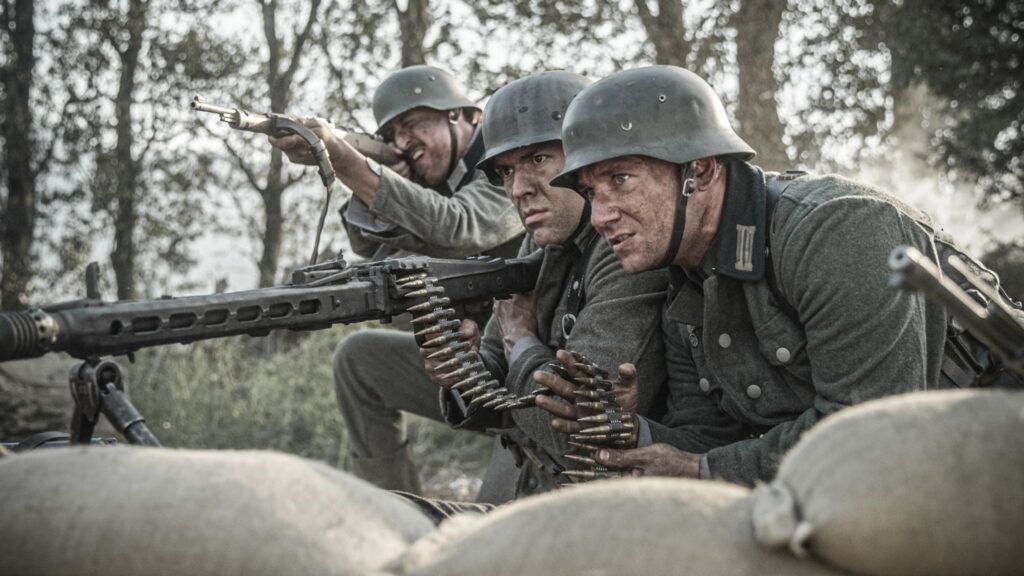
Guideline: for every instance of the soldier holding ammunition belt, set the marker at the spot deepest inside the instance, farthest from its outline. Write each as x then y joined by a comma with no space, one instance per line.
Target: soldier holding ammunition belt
445,208
780,313
583,299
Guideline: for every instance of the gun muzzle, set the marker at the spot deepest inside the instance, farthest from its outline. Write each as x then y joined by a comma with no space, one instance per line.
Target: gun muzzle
200,105
26,334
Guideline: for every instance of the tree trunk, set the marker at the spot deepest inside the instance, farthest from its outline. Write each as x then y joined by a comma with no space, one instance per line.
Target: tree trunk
757,27
125,168
413,22
280,75
20,210
665,31
273,220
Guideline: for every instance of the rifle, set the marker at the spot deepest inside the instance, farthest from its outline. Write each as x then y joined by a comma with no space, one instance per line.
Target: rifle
274,124
980,309
319,296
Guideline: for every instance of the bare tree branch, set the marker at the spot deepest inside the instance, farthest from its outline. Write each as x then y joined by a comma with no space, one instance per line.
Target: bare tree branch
646,18
252,225
292,180
300,41
338,73
250,176
269,8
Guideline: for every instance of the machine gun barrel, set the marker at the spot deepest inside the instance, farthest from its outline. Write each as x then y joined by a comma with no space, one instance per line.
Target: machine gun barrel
320,296
987,317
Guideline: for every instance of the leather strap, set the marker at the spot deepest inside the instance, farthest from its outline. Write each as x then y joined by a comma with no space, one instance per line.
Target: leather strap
774,189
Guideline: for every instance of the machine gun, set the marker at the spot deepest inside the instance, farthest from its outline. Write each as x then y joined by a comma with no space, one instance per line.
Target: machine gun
980,309
318,297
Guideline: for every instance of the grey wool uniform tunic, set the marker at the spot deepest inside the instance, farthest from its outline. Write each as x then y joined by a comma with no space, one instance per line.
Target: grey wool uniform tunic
745,378
465,216
618,322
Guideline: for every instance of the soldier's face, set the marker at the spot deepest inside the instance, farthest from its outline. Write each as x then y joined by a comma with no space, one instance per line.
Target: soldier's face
550,214
632,200
423,136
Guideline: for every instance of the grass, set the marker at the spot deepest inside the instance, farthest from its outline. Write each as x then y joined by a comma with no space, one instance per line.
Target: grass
235,393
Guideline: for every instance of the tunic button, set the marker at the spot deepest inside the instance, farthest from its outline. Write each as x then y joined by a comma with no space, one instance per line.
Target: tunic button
783,355
725,340
694,341
754,391
704,385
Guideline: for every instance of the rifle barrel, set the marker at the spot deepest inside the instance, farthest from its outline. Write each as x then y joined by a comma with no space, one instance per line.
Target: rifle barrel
200,106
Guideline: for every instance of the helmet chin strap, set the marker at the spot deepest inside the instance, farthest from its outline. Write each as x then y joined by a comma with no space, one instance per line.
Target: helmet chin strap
453,121
580,225
686,173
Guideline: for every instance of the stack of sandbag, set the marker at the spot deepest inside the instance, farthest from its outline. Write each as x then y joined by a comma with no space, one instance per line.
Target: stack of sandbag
636,526
928,483
146,511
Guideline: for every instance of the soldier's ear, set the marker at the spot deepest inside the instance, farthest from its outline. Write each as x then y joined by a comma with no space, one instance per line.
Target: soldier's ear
705,173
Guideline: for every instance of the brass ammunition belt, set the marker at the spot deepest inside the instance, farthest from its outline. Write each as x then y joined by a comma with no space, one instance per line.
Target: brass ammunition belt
605,426
437,327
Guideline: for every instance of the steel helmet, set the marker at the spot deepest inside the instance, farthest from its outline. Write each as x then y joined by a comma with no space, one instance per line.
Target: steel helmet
417,86
664,112
525,112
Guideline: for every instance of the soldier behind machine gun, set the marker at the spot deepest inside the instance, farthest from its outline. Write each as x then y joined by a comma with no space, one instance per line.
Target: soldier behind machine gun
781,313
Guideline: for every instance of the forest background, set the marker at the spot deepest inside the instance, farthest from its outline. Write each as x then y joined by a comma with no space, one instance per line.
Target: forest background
102,159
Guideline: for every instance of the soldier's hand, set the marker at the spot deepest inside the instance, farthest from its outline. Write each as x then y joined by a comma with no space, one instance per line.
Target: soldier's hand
626,389
653,460
298,150
625,392
516,318
441,354
401,167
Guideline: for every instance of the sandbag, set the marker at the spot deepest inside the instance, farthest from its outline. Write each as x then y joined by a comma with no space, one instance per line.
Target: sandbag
148,511
929,483
631,526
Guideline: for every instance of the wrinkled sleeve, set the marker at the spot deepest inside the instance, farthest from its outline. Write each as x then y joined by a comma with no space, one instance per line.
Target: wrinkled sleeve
476,218
618,324
864,339
360,243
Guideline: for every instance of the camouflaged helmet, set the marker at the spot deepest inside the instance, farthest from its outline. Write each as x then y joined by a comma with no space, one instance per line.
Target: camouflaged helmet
525,112
664,112
417,86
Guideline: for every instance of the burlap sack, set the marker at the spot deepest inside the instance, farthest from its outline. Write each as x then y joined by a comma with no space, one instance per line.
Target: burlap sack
138,511
646,526
929,483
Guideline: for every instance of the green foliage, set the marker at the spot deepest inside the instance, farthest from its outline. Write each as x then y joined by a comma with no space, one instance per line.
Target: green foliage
232,394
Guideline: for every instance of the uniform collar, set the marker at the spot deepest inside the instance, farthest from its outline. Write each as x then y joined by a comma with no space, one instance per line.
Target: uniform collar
463,171
738,248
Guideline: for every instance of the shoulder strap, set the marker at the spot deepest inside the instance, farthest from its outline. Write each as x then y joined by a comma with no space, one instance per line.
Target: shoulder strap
577,289
774,188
